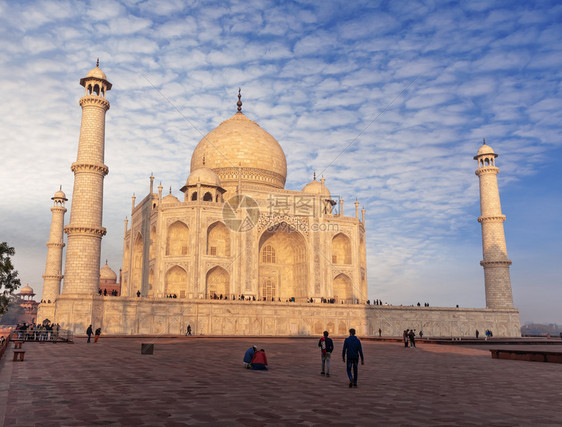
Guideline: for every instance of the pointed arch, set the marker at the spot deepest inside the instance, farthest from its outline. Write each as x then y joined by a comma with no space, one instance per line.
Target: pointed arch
151,282
341,249
136,280
343,289
208,197
176,281
152,242
363,252
217,282
283,270
218,240
178,239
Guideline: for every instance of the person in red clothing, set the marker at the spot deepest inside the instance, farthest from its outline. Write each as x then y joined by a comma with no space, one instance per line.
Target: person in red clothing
259,361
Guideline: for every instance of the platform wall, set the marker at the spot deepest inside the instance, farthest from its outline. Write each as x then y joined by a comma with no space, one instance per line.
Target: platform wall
151,316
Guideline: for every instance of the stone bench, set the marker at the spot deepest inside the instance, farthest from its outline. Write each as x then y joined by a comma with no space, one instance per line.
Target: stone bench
19,355
528,355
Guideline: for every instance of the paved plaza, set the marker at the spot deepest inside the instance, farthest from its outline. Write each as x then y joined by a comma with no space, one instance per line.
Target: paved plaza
195,381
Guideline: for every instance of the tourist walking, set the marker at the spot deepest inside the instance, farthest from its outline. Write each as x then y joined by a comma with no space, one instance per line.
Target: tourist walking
326,346
405,337
380,332
477,333
97,336
188,330
352,347
89,332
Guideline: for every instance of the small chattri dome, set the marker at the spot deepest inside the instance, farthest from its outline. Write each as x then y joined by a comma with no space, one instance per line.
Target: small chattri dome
107,273
485,150
96,73
59,195
203,176
27,290
170,198
315,187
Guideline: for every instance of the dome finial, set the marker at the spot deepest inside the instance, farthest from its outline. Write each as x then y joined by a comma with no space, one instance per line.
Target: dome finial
106,261
483,141
239,103
98,63
203,159
314,176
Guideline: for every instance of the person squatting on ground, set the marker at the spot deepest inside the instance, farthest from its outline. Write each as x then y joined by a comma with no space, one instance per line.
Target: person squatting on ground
352,346
89,332
97,335
248,356
327,346
259,361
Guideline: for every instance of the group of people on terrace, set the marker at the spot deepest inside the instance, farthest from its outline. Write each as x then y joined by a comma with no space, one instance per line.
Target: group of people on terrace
38,332
113,293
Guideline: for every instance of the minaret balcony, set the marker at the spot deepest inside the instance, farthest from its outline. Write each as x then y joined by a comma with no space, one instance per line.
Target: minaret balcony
497,218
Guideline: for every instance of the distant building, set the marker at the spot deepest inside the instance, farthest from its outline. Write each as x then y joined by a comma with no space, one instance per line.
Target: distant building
29,306
108,282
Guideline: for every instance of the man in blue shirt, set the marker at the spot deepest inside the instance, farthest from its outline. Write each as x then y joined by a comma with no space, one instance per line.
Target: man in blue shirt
248,356
352,346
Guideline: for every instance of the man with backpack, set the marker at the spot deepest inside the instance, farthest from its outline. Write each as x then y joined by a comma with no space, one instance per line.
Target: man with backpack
327,346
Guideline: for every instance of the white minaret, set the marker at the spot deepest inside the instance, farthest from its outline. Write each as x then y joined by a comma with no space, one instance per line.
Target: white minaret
53,266
495,262
85,231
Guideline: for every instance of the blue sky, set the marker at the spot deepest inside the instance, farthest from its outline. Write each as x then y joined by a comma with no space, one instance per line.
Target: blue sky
317,76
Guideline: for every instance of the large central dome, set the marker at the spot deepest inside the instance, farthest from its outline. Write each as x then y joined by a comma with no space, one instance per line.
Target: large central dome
240,148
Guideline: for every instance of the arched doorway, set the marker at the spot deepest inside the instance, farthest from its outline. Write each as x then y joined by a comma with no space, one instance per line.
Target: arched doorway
136,280
176,281
341,249
217,283
283,267
218,240
343,289
178,239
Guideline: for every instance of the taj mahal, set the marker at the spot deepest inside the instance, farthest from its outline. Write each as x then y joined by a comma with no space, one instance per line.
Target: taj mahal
238,253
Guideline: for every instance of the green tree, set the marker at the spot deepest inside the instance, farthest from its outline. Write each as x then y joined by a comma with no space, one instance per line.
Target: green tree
9,281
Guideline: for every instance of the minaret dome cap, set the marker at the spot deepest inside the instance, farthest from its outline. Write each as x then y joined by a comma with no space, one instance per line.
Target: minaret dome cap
96,74
59,195
485,150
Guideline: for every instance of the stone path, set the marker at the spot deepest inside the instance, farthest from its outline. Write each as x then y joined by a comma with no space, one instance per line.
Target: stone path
201,381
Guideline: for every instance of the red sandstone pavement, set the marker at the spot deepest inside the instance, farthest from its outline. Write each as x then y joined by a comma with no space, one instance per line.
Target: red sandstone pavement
194,381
